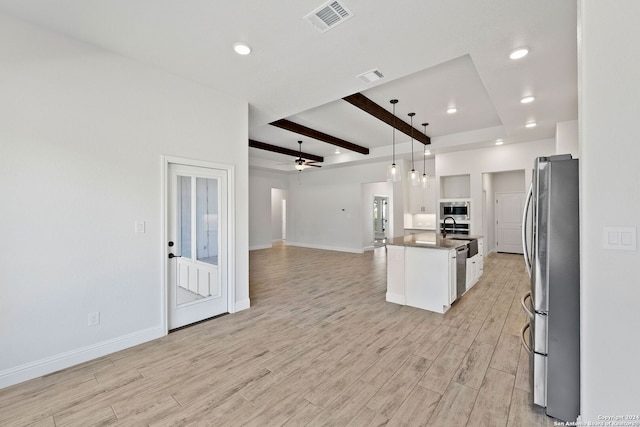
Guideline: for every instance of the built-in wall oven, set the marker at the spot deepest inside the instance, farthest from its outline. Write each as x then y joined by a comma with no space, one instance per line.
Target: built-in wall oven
457,209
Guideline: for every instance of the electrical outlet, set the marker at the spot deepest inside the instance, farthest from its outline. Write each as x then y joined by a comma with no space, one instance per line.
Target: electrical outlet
94,318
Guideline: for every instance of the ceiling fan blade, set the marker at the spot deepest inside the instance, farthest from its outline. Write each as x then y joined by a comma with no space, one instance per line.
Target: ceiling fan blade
315,166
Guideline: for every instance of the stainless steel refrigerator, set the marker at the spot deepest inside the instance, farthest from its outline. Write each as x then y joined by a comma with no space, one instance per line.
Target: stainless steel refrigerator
551,241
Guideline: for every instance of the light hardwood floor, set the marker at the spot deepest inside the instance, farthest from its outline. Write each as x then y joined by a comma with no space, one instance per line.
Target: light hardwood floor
319,346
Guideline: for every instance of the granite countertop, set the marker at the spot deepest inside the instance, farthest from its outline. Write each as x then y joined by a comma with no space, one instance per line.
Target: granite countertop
431,240
425,240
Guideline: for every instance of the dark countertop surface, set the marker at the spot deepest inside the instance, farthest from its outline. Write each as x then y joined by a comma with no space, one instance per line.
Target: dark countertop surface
431,240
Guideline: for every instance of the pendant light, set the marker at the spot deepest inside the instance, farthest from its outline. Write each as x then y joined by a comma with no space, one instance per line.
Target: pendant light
413,175
424,159
393,174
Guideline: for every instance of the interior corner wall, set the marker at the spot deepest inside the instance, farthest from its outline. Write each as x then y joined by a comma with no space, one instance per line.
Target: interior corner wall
488,226
82,132
609,101
502,158
261,182
567,138
325,206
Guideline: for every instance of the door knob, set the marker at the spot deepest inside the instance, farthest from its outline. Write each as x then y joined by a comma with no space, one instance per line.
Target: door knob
174,256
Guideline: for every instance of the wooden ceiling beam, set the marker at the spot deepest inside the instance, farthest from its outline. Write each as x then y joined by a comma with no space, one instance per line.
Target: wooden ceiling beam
380,113
312,133
275,149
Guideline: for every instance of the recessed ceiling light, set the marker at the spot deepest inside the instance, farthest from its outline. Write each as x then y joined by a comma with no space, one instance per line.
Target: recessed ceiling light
337,151
499,142
531,124
527,99
519,53
242,48
451,110
427,153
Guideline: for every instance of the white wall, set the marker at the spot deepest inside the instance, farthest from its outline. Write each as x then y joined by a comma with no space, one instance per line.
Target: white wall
82,132
493,159
609,102
567,138
509,182
325,206
260,184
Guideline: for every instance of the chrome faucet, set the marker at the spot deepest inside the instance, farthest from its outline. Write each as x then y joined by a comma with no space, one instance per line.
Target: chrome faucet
444,224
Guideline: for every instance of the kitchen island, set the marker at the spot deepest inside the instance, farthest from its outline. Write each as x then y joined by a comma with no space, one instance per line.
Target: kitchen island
421,270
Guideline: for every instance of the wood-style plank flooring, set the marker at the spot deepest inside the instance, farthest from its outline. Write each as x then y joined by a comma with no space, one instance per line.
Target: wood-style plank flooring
320,346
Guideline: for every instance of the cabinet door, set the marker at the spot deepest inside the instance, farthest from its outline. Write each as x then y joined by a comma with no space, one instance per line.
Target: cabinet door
480,257
430,196
415,200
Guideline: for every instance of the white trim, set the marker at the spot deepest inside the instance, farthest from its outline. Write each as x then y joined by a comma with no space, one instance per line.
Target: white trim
231,227
65,360
325,247
396,298
241,305
164,303
256,247
368,248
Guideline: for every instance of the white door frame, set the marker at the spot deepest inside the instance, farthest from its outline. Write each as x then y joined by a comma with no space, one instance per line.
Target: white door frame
231,258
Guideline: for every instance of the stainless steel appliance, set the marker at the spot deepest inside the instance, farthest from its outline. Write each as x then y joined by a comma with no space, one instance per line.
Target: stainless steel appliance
458,209
454,228
551,242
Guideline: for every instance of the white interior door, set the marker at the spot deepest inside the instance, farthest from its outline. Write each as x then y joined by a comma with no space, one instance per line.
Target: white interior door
509,208
197,234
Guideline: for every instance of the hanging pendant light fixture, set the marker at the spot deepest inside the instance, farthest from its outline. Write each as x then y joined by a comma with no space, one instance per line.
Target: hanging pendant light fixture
393,175
413,175
424,159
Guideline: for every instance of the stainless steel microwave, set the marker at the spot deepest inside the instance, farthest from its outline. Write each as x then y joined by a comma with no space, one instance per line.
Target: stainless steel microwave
459,210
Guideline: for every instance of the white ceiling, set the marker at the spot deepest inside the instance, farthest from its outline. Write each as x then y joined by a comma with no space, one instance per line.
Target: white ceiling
433,54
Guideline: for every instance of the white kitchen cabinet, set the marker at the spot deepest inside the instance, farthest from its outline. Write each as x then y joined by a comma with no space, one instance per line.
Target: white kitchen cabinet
430,281
480,257
472,271
423,200
475,266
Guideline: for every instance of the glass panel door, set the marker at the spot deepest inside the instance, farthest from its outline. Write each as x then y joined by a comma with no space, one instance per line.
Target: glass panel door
197,226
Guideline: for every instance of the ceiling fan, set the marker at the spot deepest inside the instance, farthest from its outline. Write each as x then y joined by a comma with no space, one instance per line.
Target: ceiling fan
300,163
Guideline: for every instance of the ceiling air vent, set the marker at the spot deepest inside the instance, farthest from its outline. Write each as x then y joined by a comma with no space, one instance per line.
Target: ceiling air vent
370,76
329,15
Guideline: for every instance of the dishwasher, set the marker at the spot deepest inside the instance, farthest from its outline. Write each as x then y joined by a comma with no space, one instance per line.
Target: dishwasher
461,270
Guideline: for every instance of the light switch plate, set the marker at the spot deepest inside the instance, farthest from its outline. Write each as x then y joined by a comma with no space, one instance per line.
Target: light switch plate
620,238
140,226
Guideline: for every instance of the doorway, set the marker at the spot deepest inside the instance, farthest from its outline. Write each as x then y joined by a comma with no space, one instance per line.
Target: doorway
380,219
197,238
278,215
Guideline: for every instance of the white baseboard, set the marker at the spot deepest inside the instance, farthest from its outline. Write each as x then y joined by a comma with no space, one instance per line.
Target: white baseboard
325,247
242,305
396,298
65,360
369,248
256,247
